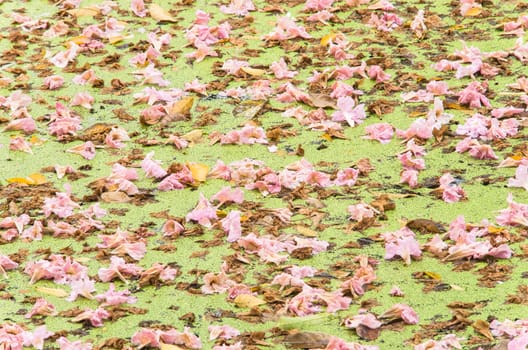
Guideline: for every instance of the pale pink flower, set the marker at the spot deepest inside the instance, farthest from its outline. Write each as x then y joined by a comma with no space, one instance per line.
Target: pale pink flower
203,213
146,337
317,5
466,5
451,192
280,69
6,264
112,297
521,177
231,225
186,338
65,344
216,283
196,86
436,244
116,137
61,59
368,320
336,343
172,228
118,268
53,82
482,152
83,99
151,75
238,7
235,346
151,167
136,250
26,124
400,312
408,161
422,128
321,16
86,77
18,143
61,205
521,84
417,96
438,88
418,24
86,150
338,47
349,111
138,8
360,211
341,89
410,177
473,95
41,307
396,292
376,72
233,66
202,51
222,332
346,177
228,195
170,183
506,112
248,135
404,248
386,23
95,317
287,29
83,287
33,233
381,132
37,337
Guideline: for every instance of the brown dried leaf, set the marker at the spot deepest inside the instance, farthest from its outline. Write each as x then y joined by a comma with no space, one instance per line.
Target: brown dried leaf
115,197
306,340
84,11
161,15
367,333
306,231
425,226
483,328
322,101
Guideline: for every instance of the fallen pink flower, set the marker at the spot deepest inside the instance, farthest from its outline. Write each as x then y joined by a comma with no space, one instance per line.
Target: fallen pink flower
280,70
368,320
86,150
400,312
222,332
37,337
83,287
521,177
216,283
116,137
231,225
238,7
113,297
203,213
405,248
473,95
95,317
83,99
381,132
42,308
151,167
146,337
18,143
65,344
138,8
27,125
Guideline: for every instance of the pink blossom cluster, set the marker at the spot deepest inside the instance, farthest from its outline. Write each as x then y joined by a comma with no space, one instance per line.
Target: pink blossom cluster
475,149
155,338
475,58
451,192
488,128
122,243
363,276
412,162
248,135
61,269
387,22
201,36
336,343
286,29
63,122
521,177
448,342
238,7
308,301
516,214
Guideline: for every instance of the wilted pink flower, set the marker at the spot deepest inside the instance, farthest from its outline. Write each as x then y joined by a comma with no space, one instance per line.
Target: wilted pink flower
53,82
83,287
222,332
400,312
27,125
248,135
37,337
231,225
6,264
368,320
228,195
202,51
410,177
317,5
61,59
336,343
18,143
451,192
233,66
65,344
403,247
381,132
387,22
473,95
238,7
348,111
361,211
196,86
116,137
172,228
146,337
112,297
287,29
61,205
396,292
135,250
438,88
346,177
152,167
86,77
466,5
95,317
203,213
83,99
118,268
321,16
86,150
151,75
216,283
41,307
408,161
138,8
280,69
521,177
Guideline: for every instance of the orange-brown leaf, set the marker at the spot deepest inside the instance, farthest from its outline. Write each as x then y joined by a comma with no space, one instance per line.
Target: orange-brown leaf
160,14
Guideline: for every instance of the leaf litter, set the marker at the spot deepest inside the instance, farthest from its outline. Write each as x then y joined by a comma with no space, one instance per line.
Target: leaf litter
252,174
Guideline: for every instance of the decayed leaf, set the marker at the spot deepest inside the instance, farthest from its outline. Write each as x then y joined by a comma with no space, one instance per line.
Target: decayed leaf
249,301
433,275
178,110
483,328
367,333
425,226
33,179
322,101
161,15
193,136
57,292
472,12
305,231
115,197
199,171
306,340
84,11
325,40
249,109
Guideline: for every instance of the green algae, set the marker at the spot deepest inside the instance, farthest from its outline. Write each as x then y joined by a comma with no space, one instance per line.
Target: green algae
483,201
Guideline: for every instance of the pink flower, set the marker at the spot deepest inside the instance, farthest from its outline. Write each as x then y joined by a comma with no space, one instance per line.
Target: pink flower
41,307
152,168
203,213
83,99
65,344
6,264
196,86
466,5
376,72
346,177
368,320
321,16
86,150
231,226
151,75
381,132
233,66
118,268
135,250
172,228
37,337
409,162
202,51
62,58
228,195
112,297
95,317
61,205
287,29
387,22
186,338
473,95
238,7
235,346
340,89
482,152
396,292
53,82
317,5
410,177
280,69
404,247
138,8
361,211
18,143
86,77
521,177
451,192
83,287
222,332
400,311
216,283
27,125
348,111
146,337
17,100
116,137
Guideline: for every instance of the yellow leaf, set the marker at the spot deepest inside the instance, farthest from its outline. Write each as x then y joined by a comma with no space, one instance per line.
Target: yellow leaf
474,11
84,11
455,287
495,230
306,231
79,40
247,300
433,275
199,171
57,292
326,136
182,106
325,40
160,14
169,347
483,328
35,140
193,136
253,71
115,39
33,179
